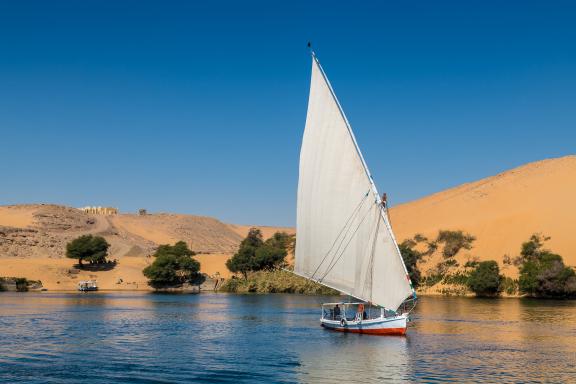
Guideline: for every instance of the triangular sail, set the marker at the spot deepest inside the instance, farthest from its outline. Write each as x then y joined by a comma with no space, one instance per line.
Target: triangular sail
344,239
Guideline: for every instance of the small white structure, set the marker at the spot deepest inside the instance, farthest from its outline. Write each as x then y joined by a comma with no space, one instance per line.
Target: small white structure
87,285
106,211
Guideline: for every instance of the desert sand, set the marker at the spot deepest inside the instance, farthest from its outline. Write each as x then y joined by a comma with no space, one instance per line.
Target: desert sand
15,217
500,211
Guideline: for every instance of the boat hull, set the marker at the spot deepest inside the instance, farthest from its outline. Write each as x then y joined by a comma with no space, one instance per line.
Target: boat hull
382,326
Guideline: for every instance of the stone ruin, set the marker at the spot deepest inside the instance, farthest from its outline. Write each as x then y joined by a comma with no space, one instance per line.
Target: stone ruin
107,211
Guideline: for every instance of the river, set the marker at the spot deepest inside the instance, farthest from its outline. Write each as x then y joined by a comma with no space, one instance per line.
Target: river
225,338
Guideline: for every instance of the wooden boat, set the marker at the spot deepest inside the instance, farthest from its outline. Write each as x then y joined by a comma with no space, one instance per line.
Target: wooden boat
87,285
377,322
344,237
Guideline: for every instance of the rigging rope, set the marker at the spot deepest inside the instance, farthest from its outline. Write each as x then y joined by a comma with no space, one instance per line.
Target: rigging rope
348,221
334,262
371,261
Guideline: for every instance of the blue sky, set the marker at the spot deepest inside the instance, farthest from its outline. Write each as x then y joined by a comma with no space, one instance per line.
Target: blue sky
199,108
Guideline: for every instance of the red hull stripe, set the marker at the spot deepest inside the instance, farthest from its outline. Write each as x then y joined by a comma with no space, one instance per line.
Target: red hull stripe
377,331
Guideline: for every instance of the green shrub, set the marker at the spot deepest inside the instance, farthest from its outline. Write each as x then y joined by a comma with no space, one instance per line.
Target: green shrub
419,238
254,254
21,284
433,279
486,280
454,241
543,273
471,264
275,281
411,258
509,285
173,267
458,278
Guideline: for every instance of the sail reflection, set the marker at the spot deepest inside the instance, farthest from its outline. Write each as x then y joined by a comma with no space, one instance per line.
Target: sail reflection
357,358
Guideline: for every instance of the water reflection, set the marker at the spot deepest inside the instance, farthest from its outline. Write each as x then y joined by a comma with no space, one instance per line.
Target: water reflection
142,337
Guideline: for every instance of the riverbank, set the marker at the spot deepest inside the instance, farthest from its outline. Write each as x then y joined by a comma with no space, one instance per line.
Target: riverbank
277,281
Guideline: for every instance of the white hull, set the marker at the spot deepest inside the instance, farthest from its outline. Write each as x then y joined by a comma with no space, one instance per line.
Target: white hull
380,326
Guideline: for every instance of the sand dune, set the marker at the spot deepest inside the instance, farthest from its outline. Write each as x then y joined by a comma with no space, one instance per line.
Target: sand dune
502,211
267,232
203,234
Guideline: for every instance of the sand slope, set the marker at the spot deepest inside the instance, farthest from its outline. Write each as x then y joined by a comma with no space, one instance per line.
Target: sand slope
502,211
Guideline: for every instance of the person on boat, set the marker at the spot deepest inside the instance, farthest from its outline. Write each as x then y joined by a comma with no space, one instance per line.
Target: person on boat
361,313
336,312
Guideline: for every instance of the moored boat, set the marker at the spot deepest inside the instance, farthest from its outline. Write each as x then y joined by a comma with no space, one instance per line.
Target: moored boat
87,285
344,236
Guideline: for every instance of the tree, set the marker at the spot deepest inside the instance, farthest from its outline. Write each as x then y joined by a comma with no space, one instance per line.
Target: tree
173,266
87,247
485,279
254,254
454,241
543,273
411,258
268,257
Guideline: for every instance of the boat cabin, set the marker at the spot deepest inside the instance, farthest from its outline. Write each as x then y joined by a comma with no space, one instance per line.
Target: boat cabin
354,311
87,285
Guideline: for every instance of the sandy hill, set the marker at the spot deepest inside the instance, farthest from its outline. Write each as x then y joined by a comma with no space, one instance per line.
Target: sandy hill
33,240
501,212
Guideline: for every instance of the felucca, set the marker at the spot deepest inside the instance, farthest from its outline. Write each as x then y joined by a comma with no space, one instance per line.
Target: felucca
344,237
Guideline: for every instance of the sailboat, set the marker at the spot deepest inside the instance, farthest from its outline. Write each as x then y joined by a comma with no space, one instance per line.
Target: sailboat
344,237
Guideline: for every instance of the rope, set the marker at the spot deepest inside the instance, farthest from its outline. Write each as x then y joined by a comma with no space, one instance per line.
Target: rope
349,221
334,262
372,253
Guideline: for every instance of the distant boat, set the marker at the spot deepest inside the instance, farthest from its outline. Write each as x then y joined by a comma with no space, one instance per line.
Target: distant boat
87,285
344,237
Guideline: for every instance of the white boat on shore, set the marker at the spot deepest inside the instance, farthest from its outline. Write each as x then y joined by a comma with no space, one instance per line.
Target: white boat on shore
87,285
344,237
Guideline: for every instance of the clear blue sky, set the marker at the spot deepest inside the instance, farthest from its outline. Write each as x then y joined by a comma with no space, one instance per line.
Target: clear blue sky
199,107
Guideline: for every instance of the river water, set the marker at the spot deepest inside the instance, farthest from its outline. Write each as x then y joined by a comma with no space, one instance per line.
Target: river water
221,338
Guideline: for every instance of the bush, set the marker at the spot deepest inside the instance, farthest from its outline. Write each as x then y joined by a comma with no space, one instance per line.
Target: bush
411,258
510,286
275,281
433,278
21,284
256,255
458,278
454,241
486,280
543,273
90,248
173,267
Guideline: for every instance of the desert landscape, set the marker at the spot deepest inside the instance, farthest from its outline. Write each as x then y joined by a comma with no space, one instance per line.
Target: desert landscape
501,211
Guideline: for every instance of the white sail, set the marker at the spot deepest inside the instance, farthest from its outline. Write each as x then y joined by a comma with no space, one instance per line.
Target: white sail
344,239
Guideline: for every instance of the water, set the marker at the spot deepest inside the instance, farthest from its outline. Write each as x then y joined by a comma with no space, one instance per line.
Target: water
220,338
